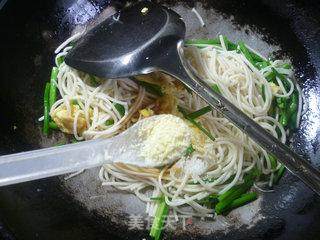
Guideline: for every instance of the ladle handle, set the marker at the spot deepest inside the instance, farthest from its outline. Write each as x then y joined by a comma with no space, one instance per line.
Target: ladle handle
179,68
47,162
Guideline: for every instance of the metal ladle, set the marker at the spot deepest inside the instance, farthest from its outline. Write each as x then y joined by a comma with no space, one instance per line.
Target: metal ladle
147,37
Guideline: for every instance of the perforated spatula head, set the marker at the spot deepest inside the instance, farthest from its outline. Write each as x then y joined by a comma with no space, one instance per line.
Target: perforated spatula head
129,43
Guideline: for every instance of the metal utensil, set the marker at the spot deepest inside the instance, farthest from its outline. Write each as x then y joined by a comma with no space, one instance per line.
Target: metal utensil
147,37
26,166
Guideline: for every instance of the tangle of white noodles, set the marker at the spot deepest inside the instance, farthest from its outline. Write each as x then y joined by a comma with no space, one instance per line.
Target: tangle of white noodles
96,104
232,153
198,16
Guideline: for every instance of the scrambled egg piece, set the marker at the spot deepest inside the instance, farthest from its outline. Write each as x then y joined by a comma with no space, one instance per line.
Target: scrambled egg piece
169,86
64,120
166,104
274,88
198,139
146,112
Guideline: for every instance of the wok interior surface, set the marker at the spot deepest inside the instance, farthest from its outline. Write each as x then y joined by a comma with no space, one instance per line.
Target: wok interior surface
45,209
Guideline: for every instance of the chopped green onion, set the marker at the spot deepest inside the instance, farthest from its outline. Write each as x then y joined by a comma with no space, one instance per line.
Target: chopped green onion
202,42
63,142
250,55
283,79
53,125
257,58
273,161
94,80
213,196
226,199
195,123
242,200
216,88
199,125
263,92
281,102
261,65
293,103
109,122
210,201
271,77
279,174
293,121
235,188
158,221
182,110
189,150
253,174
60,60
46,109
293,110
199,112
120,108
278,132
151,88
214,41
225,41
246,52
272,109
283,118
157,198
53,87
229,45
286,66
74,102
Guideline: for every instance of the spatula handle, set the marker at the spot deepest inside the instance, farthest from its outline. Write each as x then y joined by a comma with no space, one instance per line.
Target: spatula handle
26,166
179,68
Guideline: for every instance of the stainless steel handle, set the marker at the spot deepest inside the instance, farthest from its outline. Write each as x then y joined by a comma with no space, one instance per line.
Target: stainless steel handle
179,68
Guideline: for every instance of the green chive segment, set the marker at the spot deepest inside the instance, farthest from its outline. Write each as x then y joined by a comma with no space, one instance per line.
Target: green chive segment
159,219
226,199
109,122
46,109
151,88
189,150
120,108
53,87
199,112
195,123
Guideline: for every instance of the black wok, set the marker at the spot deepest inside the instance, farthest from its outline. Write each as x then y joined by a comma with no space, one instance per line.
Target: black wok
80,208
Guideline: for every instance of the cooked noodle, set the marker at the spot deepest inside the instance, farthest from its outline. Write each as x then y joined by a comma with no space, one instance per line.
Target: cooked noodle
225,160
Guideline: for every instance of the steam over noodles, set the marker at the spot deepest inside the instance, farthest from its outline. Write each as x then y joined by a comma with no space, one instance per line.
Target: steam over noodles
91,108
